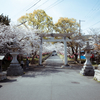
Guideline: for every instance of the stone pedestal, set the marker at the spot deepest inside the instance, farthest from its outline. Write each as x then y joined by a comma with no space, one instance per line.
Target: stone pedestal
14,69
87,69
2,76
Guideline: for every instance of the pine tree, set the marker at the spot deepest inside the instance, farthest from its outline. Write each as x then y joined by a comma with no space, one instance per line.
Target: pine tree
4,19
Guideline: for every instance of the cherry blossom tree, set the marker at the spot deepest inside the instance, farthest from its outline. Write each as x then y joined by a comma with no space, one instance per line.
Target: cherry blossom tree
27,40
49,47
95,38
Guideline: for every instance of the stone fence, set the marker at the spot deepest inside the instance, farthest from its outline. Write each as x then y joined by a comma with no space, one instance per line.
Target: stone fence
46,57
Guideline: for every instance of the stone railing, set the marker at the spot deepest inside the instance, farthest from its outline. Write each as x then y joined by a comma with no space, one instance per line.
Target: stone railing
46,57
97,74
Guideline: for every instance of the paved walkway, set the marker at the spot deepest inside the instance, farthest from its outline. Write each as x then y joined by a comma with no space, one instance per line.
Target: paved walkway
53,61
50,83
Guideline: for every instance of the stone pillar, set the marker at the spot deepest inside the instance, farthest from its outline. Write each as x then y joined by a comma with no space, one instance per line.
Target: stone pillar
14,69
40,53
65,52
87,69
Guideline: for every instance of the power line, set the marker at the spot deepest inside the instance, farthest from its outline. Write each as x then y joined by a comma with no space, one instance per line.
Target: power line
95,23
94,7
23,9
42,4
51,4
92,25
33,5
22,23
54,4
92,13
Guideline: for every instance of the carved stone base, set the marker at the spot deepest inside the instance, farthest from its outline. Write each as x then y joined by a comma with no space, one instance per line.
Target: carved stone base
14,70
97,75
2,76
87,71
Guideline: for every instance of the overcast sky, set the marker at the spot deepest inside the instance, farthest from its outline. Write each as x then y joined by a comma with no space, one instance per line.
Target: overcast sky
88,11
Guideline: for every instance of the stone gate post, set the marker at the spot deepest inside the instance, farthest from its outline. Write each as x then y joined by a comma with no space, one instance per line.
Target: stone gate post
65,52
40,52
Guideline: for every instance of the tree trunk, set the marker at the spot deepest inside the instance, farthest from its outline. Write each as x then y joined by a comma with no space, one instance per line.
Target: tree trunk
76,56
74,49
75,53
32,62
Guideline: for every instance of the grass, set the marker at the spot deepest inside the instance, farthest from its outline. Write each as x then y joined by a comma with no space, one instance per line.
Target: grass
44,56
95,65
36,60
30,59
96,79
62,57
70,59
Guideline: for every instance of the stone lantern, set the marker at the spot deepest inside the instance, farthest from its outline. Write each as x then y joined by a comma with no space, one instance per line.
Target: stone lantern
87,69
14,69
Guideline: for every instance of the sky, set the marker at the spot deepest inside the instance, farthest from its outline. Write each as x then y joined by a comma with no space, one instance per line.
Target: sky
87,11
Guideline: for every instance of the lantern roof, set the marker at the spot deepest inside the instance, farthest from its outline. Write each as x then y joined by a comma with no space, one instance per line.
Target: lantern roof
88,47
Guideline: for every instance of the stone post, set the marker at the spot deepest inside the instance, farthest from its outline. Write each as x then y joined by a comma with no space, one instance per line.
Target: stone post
40,53
65,52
